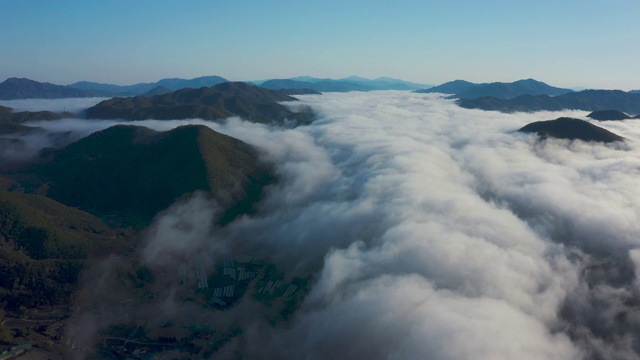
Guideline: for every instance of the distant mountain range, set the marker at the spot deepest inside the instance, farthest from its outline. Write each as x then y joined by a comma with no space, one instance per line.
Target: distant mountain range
14,88
451,87
588,100
171,84
466,90
572,129
352,83
322,86
158,90
252,103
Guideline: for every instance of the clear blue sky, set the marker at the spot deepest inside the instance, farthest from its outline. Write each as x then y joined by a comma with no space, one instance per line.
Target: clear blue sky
562,42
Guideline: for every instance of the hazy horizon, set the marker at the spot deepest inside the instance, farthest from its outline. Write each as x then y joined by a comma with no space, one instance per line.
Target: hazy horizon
575,88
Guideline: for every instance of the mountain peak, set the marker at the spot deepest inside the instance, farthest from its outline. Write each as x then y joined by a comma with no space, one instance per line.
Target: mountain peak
252,103
142,164
608,115
451,87
23,88
528,81
571,129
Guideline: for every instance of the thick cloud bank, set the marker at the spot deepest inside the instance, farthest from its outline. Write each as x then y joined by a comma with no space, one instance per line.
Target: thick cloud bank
434,232
439,233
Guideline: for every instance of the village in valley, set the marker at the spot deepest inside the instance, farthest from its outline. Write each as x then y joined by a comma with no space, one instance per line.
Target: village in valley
203,292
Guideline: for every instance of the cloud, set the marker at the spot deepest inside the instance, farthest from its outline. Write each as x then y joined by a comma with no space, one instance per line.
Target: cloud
501,228
55,105
431,231
177,234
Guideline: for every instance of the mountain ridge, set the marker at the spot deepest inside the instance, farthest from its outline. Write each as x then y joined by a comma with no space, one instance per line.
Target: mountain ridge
23,88
605,115
461,89
142,88
252,103
451,87
571,129
587,100
350,83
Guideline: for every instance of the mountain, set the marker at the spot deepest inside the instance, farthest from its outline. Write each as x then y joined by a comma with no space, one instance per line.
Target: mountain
252,103
351,83
45,246
142,88
131,173
451,87
109,88
10,122
608,115
310,79
634,91
195,83
384,83
511,90
158,90
587,100
572,129
15,88
321,86
8,125
465,90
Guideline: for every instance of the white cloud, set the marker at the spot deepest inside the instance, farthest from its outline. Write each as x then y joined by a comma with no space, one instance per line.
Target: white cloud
438,232
55,105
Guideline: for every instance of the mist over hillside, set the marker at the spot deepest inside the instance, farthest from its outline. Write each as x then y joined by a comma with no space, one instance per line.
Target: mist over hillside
424,229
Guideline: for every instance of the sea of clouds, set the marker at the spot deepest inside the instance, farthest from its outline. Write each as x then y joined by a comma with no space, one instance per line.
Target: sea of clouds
429,232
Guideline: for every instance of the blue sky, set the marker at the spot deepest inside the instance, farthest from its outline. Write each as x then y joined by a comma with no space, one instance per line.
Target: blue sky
562,42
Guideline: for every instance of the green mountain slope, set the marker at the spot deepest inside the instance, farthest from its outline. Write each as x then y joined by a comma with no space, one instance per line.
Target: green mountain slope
44,246
131,173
